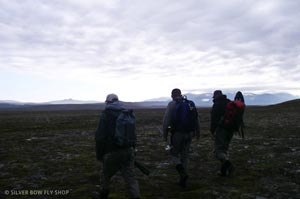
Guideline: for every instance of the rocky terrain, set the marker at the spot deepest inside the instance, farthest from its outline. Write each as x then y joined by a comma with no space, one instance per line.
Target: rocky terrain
50,154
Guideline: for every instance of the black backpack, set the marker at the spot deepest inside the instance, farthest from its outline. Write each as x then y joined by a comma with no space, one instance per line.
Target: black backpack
186,116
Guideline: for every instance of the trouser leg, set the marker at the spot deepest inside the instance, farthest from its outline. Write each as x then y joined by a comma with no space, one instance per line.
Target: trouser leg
128,174
184,154
112,162
181,143
180,154
221,144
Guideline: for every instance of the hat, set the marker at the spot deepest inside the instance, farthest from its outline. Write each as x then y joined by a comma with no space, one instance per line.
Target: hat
111,98
217,93
176,92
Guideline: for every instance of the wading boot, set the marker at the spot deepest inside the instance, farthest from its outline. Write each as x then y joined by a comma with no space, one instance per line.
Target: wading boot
182,174
226,168
104,194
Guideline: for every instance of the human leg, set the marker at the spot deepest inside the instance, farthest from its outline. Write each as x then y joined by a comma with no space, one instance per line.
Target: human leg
111,164
182,142
128,174
222,140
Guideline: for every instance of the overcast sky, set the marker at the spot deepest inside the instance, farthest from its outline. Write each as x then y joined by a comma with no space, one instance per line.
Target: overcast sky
142,49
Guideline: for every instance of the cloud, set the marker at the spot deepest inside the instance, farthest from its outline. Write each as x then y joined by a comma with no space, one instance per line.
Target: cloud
192,44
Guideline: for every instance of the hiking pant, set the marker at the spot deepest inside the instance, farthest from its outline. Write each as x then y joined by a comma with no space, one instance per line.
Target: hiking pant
181,143
120,160
221,144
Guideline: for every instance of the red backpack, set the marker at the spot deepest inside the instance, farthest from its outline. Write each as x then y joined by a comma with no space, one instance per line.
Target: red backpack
233,116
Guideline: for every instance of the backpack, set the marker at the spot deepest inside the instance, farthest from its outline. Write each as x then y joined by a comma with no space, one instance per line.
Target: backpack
125,135
186,116
233,116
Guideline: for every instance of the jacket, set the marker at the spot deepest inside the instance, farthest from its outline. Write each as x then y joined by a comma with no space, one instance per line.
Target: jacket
106,129
217,111
168,120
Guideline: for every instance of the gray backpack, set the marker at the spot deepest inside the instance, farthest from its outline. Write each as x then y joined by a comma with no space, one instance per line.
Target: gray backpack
125,135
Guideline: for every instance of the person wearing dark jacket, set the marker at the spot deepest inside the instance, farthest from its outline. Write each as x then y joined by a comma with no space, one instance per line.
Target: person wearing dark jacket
222,136
113,157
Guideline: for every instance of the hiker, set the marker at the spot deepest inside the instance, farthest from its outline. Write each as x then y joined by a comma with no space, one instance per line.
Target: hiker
181,138
239,97
113,157
221,136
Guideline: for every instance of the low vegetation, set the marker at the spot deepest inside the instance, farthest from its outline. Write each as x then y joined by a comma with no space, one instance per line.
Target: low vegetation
54,151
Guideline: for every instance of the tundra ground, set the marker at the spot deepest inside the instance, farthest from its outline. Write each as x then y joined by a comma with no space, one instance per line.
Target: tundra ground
54,151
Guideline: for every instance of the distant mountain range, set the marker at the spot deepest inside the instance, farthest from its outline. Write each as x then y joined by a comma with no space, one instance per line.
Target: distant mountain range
205,99
201,100
64,101
250,98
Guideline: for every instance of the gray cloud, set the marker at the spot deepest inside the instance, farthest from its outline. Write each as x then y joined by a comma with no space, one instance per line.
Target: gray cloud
256,43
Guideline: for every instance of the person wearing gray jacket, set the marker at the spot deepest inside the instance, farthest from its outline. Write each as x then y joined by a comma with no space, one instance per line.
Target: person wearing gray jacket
180,139
113,157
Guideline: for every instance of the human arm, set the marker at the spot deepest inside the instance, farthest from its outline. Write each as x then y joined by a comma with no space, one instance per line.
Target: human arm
168,119
100,137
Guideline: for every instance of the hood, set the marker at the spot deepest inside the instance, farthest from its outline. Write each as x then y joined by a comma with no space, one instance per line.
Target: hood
114,106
